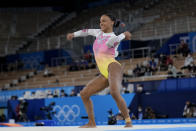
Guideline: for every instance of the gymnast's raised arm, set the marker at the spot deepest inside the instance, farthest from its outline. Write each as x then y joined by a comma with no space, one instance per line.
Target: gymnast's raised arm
83,33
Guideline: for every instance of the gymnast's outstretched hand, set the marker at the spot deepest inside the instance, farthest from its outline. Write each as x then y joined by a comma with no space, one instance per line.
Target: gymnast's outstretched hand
127,35
70,36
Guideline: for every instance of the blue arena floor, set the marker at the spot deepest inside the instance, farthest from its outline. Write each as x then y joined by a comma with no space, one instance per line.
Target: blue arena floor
163,129
149,127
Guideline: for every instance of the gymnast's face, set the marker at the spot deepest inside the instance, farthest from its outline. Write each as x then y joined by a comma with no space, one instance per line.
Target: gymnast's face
106,24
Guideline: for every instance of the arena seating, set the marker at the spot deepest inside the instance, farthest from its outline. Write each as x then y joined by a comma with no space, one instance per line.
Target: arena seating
181,17
63,77
175,17
159,20
7,78
16,29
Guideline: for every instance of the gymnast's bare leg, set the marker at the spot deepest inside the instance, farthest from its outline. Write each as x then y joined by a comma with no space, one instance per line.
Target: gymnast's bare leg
94,86
115,80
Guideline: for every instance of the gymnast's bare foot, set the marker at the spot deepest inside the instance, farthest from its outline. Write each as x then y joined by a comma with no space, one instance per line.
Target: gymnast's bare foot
89,125
129,124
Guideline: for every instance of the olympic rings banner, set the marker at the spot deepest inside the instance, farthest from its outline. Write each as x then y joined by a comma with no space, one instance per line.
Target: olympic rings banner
71,111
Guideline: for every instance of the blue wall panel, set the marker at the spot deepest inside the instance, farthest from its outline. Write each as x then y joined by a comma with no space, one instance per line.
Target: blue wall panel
12,58
32,60
173,40
33,109
169,103
71,109
192,41
171,84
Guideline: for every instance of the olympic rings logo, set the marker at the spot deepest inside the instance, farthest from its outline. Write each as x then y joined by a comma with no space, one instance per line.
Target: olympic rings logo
66,113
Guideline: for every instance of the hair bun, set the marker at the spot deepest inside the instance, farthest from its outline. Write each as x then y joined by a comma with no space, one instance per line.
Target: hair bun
117,23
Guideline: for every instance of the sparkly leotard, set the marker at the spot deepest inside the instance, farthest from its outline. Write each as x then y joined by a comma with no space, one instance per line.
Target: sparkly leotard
104,47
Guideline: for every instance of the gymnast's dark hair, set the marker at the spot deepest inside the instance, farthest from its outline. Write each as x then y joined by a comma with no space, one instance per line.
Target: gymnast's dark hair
116,21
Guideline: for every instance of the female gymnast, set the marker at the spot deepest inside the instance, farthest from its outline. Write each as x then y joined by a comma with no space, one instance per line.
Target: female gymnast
104,48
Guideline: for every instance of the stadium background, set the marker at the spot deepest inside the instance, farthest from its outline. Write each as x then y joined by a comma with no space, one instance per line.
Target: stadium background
39,66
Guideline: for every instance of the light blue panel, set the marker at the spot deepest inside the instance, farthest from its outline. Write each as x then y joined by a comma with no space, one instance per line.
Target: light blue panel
6,95
102,104
69,110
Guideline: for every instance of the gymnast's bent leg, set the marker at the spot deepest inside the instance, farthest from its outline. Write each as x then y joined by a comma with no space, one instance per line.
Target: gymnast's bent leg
94,86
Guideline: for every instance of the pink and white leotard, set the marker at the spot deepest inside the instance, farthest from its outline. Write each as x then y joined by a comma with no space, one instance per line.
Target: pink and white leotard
104,47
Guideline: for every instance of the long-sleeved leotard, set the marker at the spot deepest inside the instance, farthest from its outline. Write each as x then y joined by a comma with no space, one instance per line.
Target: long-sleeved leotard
104,47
